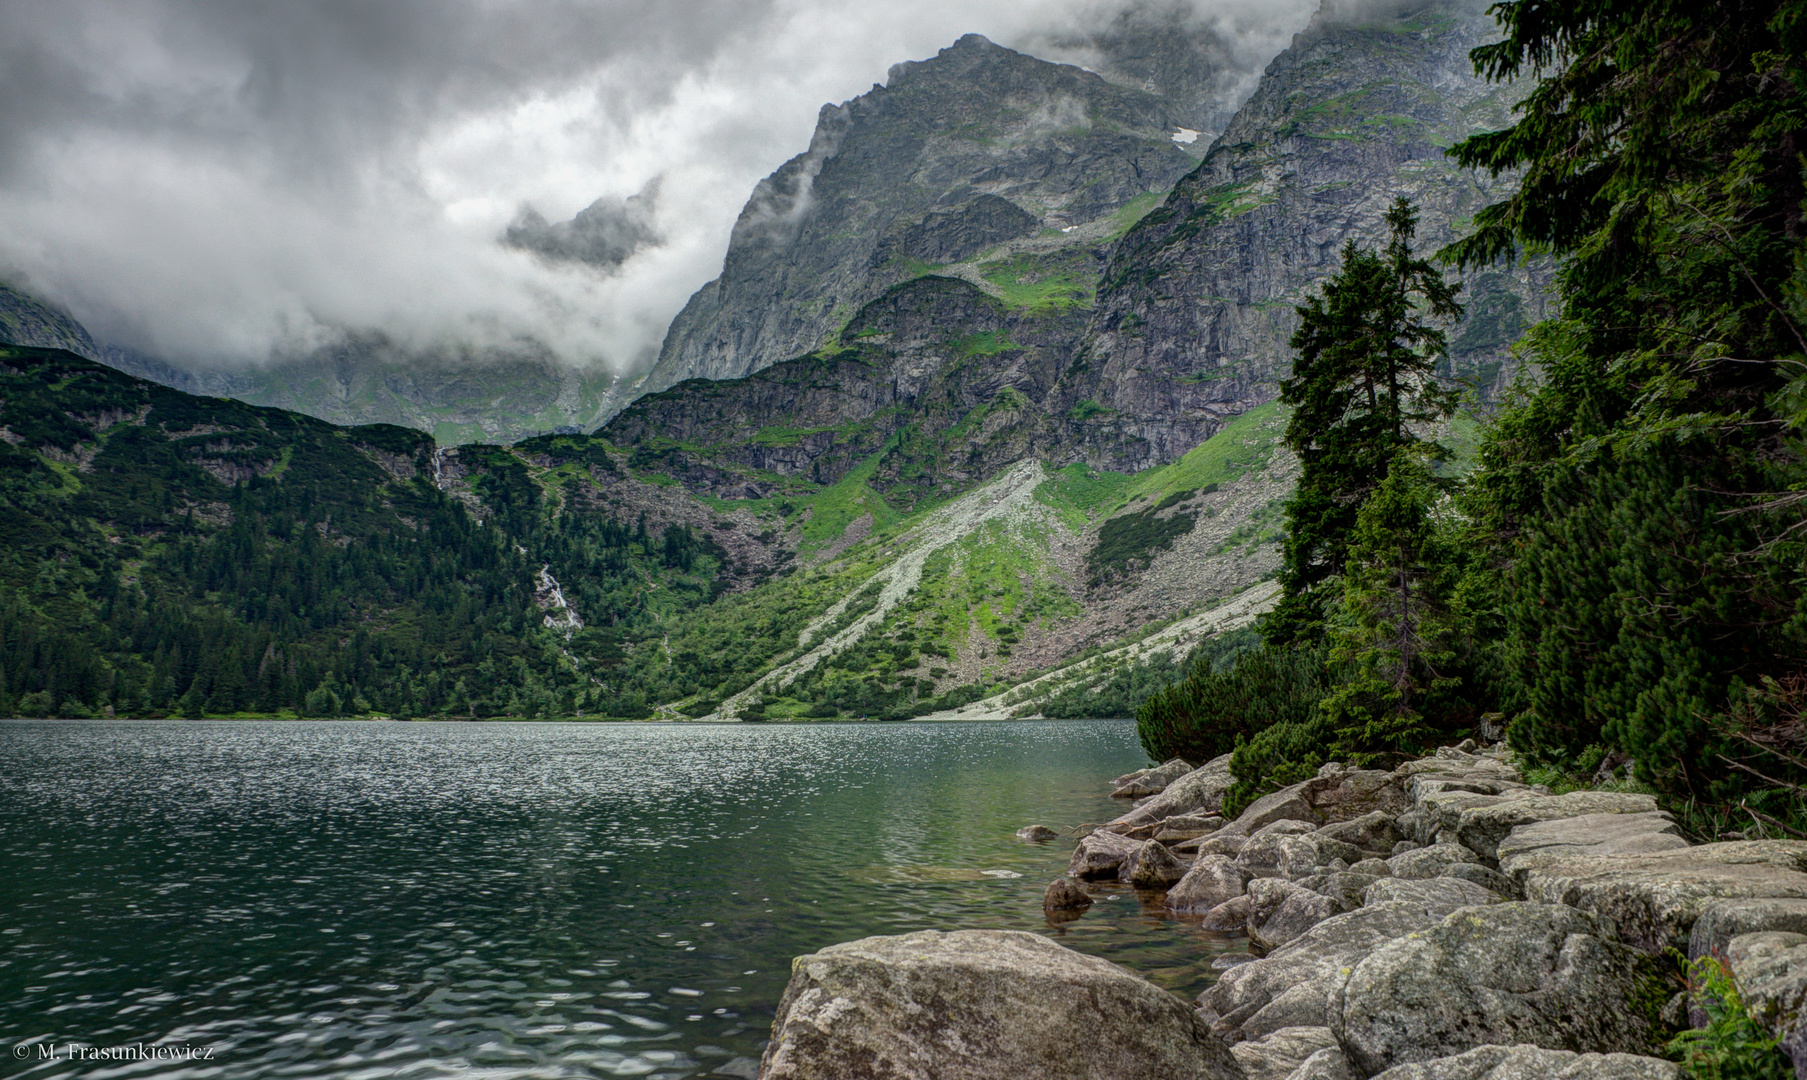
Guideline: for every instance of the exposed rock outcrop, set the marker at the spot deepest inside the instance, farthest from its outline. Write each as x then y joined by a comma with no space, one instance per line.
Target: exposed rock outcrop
978,1005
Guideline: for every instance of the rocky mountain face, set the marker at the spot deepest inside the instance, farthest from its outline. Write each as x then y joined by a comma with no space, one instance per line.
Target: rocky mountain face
1123,348
953,156
1196,304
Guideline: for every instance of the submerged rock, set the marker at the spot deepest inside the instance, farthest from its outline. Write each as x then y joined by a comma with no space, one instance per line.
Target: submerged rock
1038,833
1065,895
1152,867
982,1004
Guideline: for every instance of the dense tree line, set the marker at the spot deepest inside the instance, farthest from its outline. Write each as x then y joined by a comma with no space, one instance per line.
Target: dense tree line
162,554
1625,573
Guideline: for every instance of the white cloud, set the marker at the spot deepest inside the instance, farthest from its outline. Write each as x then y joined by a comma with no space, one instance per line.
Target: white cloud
210,181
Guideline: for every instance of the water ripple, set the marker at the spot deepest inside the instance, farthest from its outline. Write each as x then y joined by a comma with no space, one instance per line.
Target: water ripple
510,901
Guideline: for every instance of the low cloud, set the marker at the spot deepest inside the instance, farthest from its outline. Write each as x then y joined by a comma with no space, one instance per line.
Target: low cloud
602,234
214,181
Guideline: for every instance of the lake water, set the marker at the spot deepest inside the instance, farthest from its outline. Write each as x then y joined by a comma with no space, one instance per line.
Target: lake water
511,900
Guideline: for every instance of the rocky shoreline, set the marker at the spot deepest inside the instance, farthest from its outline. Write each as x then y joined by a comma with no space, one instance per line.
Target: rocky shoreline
1440,921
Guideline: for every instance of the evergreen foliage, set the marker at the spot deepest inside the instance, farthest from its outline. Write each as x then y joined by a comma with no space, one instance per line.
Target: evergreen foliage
1626,571
1638,510
1362,378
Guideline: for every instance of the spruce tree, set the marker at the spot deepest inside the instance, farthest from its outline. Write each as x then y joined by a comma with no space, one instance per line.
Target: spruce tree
1362,383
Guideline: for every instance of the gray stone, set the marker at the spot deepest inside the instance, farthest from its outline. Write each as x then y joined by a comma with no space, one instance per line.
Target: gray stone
1200,791
1101,855
1429,862
1485,878
1224,843
1442,895
1277,854
1306,970
1187,827
1212,880
1502,974
1655,898
1039,833
1229,917
1328,1064
1280,912
1065,895
1152,867
1277,1055
1372,867
1588,834
1404,846
1344,885
1355,793
1137,774
1152,782
1526,1062
980,1004
1376,831
1771,969
1723,920
1482,828
1287,804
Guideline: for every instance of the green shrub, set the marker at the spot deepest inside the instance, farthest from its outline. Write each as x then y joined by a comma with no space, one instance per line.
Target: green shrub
1211,712
1733,1045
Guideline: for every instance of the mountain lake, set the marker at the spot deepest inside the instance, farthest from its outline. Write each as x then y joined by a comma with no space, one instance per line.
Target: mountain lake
253,899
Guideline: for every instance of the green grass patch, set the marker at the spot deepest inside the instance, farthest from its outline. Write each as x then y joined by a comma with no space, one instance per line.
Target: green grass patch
1045,283
1242,446
988,343
1134,211
1078,493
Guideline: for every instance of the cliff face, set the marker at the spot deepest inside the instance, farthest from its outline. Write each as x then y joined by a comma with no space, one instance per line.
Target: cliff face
972,148
1196,304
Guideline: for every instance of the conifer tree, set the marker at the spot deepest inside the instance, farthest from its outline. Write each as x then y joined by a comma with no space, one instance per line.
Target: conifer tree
1362,380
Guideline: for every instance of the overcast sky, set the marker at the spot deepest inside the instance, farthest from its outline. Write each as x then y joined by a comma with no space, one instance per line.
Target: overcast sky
208,181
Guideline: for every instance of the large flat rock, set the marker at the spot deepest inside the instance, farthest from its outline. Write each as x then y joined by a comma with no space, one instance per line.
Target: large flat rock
1481,828
1655,899
1525,1062
982,1005
1588,835
1503,974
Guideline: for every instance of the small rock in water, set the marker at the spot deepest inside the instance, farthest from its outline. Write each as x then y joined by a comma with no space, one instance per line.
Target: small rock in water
1038,833
1001,873
1153,867
1065,895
